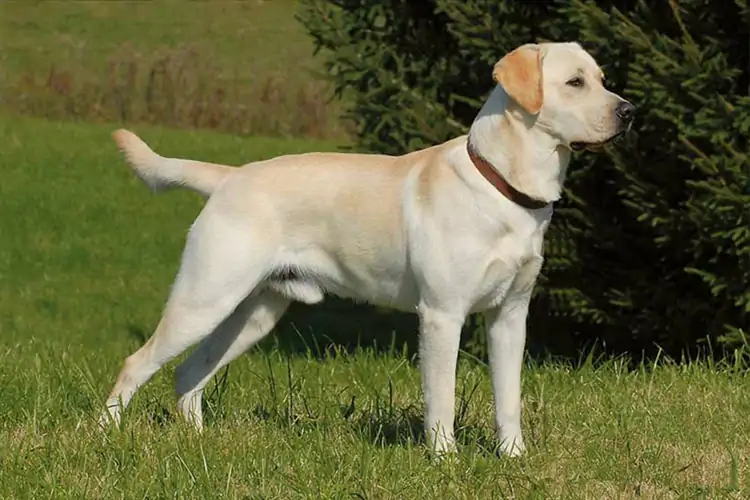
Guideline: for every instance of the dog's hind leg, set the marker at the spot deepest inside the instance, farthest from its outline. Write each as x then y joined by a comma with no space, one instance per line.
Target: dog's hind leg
252,321
220,267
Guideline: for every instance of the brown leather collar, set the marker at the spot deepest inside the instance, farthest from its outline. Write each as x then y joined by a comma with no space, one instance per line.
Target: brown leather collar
501,184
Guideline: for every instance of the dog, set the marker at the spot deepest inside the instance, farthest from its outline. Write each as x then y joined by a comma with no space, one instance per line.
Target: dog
446,231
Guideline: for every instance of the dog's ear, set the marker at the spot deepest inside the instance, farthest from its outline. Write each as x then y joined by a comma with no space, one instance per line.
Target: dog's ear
520,74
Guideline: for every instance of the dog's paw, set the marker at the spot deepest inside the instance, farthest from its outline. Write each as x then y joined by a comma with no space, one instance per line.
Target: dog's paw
442,446
511,446
109,418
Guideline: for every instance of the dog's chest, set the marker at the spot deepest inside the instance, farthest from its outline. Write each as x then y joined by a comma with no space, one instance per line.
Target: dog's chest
511,267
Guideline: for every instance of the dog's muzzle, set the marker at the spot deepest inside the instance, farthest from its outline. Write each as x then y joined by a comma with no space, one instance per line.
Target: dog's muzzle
625,113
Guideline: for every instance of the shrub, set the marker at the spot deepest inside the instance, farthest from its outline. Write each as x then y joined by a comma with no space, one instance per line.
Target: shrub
649,247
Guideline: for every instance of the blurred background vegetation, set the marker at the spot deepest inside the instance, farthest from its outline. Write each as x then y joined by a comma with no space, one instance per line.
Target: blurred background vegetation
239,67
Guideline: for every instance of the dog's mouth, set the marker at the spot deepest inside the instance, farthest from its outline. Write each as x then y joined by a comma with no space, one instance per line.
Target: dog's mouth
596,147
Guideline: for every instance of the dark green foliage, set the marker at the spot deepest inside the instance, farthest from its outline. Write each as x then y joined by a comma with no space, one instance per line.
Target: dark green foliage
650,246
645,218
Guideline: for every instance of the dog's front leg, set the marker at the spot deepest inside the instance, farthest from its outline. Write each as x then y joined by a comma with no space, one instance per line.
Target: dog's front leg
440,333
506,340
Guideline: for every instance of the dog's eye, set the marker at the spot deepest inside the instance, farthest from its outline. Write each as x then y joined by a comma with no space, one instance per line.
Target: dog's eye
575,82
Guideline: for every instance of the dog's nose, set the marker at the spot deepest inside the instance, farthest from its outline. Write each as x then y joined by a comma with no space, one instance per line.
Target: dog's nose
625,111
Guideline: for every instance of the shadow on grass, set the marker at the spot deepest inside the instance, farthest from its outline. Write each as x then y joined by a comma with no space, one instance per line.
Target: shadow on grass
403,428
381,423
341,327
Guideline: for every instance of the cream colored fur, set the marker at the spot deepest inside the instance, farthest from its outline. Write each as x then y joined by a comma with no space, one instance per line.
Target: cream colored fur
423,232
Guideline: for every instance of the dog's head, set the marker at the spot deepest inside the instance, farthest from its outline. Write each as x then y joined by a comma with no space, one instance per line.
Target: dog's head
561,87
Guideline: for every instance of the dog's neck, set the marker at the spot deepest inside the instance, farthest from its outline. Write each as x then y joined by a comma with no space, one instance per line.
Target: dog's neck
526,157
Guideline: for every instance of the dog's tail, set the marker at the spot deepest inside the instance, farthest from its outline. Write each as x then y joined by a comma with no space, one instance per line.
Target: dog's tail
160,173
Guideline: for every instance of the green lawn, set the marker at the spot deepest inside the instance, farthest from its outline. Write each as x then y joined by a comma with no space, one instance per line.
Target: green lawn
87,255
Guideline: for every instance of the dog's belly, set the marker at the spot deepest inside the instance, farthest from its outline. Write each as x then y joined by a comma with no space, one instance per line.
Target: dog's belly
381,280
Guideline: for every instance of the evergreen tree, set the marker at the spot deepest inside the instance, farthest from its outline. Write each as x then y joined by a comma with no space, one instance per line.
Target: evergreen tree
650,245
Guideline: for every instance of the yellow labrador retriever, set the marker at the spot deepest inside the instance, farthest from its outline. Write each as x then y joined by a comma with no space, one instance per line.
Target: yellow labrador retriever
446,231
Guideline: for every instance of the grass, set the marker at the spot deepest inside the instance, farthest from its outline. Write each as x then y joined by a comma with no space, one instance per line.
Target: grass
87,255
244,67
